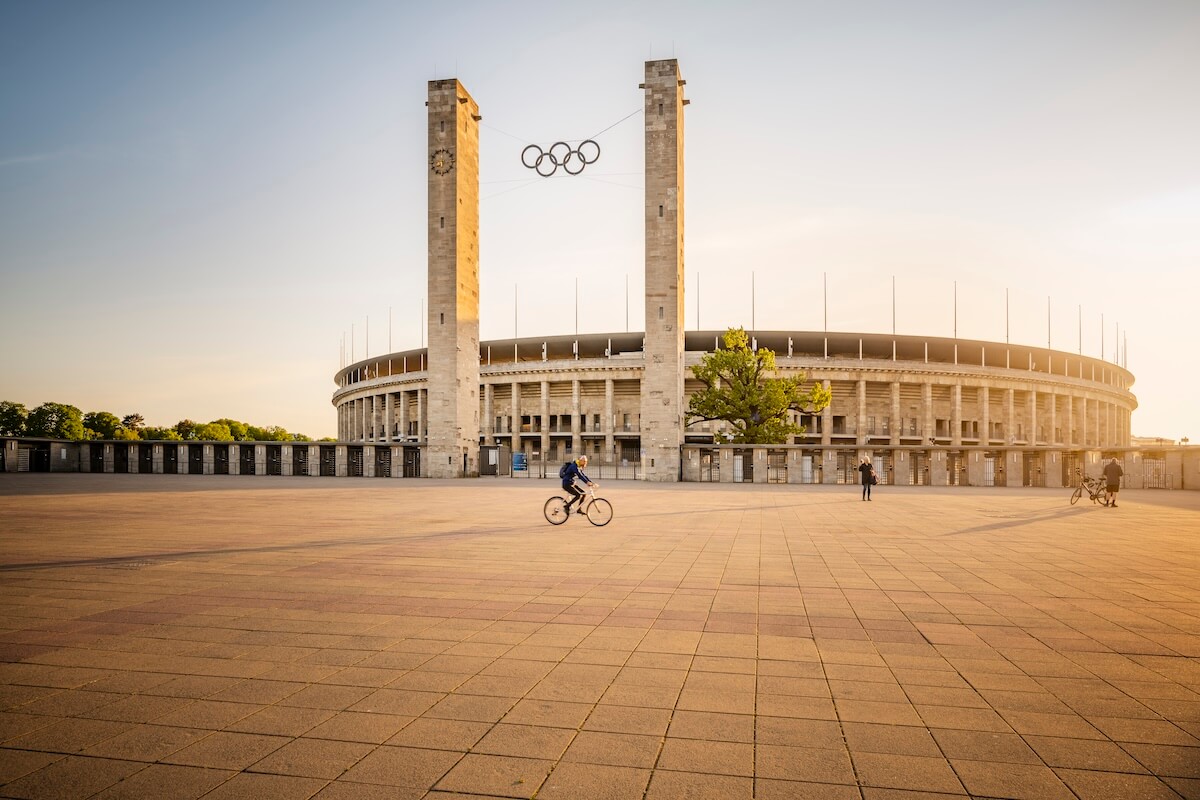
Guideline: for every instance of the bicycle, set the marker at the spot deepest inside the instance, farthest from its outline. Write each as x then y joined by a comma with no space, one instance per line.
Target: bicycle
1095,488
598,510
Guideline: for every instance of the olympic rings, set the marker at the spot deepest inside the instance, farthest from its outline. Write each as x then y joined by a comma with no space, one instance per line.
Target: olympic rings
560,154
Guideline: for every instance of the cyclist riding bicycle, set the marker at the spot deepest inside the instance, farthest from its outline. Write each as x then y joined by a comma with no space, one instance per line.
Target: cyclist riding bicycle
571,471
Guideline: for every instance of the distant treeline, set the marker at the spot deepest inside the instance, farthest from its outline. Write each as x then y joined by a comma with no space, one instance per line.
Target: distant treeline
62,421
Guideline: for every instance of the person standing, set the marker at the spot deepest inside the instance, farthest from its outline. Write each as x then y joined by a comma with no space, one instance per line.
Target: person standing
867,476
1112,479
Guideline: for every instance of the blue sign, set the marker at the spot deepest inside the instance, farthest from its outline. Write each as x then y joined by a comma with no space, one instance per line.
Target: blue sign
519,462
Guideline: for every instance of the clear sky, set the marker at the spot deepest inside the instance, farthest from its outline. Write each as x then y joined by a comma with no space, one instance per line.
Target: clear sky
198,200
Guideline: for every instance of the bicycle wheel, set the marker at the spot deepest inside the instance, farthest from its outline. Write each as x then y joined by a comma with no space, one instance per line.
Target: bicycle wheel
1078,493
600,512
556,510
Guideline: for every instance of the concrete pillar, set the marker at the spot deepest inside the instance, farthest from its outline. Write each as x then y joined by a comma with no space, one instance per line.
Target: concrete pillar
516,417
210,467
489,414
985,414
828,466
610,423
860,389
956,416
1031,414
663,374
453,284
827,419
938,473
544,413
1052,419
403,415
1010,417
1083,423
422,418
576,421
1069,433
389,416
927,428
896,423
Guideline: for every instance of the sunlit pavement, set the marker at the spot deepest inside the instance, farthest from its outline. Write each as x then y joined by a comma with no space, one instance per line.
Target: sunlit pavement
232,637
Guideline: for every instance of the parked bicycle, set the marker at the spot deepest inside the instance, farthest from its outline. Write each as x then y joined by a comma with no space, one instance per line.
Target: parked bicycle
1097,492
598,510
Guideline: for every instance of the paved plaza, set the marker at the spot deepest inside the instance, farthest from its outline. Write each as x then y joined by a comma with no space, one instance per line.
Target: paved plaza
224,637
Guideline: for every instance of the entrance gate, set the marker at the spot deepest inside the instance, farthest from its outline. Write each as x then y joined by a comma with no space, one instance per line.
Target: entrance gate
710,466
299,459
220,459
246,459
1154,472
1031,470
120,458
777,468
383,462
412,462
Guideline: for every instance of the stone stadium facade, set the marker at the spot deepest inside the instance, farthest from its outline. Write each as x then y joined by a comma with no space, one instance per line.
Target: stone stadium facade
924,409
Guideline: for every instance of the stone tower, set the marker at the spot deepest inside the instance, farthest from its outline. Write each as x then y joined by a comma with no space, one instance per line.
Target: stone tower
453,324
662,381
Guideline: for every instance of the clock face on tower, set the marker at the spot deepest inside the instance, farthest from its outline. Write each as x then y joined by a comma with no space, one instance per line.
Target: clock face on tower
442,161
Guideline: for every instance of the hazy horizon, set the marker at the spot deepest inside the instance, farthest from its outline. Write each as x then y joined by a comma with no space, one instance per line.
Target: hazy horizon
198,202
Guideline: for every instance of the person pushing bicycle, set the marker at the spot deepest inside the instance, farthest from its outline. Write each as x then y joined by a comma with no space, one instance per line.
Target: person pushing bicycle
571,471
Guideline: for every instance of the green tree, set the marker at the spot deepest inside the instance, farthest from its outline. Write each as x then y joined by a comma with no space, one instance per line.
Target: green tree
133,422
13,417
238,429
740,388
214,432
101,424
55,421
160,434
186,429
300,437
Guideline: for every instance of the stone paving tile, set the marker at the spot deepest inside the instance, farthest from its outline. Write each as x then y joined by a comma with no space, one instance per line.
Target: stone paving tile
167,782
502,776
668,785
802,647
146,743
1090,785
72,777
224,750
594,781
18,763
313,758
266,787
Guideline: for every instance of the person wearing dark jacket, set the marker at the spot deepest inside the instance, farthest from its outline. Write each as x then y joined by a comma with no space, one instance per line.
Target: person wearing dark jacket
1112,480
575,470
867,473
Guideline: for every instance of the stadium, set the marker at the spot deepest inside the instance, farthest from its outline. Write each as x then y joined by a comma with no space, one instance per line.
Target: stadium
925,410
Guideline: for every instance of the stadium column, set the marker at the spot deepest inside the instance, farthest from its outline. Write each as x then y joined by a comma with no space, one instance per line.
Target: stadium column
662,379
544,415
956,416
1052,424
576,422
389,416
452,404
489,410
985,415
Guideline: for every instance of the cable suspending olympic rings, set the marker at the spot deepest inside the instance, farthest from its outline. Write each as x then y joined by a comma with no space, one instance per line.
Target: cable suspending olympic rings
560,154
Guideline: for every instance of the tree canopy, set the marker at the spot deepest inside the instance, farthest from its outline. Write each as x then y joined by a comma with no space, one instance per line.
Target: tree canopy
55,421
61,421
741,388
101,425
12,418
